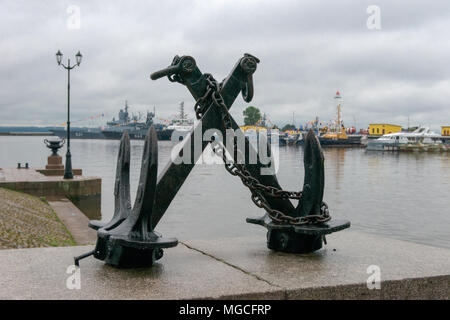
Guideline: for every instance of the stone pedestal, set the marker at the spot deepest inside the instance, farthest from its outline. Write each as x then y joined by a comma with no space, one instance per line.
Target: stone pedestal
55,167
54,163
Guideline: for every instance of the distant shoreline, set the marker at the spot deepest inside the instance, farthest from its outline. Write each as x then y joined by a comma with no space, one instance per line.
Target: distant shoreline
26,133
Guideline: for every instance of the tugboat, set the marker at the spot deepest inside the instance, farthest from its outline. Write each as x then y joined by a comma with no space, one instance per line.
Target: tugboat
338,137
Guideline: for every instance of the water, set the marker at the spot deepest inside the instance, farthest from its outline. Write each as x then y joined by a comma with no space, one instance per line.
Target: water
398,195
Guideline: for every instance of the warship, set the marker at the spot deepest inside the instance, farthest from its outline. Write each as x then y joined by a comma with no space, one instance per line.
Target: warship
115,128
79,133
137,130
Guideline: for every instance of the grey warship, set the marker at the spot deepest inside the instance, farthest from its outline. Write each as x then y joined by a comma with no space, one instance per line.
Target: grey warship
136,129
115,128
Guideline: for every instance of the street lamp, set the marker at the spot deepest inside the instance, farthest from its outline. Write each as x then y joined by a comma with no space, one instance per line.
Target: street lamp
68,174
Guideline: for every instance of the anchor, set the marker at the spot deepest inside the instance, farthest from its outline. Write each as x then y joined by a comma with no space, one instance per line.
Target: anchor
305,231
129,239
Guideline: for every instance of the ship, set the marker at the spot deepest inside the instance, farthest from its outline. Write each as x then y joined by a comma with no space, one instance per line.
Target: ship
337,136
252,131
79,133
181,125
136,128
421,139
115,128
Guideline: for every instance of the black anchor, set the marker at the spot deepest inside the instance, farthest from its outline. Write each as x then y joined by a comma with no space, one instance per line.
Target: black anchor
129,239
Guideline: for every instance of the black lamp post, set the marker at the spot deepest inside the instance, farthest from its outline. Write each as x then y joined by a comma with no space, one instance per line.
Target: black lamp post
68,174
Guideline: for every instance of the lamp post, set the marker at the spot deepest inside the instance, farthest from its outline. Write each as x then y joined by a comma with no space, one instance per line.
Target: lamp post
68,174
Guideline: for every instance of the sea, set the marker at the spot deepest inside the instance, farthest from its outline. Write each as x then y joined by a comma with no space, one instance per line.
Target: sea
398,195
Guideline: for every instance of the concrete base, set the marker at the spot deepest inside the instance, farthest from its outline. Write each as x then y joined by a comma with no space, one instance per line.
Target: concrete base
58,172
238,268
84,192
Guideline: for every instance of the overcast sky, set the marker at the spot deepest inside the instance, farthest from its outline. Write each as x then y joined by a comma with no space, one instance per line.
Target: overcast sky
308,50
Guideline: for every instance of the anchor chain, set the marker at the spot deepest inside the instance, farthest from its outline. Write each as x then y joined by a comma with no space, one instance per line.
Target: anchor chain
258,190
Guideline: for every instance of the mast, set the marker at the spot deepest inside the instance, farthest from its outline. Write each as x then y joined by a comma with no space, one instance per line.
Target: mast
182,110
127,118
338,98
339,117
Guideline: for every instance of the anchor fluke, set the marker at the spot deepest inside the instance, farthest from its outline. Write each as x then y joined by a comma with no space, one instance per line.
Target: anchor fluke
132,242
305,231
312,195
122,202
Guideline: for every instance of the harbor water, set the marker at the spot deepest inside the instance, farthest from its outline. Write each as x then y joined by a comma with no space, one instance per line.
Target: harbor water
398,195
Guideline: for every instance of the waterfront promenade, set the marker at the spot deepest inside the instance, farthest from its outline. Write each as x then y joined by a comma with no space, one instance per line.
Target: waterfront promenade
238,268
234,267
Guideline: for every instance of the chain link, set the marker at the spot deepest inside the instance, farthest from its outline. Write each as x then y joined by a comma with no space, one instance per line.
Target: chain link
258,190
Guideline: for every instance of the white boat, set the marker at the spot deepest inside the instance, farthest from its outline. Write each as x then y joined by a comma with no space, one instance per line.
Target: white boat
422,136
181,125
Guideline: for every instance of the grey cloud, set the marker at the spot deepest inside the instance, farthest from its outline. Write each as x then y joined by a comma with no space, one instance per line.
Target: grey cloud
308,50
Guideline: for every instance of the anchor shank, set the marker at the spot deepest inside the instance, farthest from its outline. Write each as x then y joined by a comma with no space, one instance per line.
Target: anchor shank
173,176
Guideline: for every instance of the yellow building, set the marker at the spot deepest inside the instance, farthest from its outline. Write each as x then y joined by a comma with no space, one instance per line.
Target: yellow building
445,131
255,128
378,129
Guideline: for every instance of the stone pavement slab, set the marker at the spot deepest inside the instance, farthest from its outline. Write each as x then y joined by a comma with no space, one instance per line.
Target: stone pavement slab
181,274
339,270
238,268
